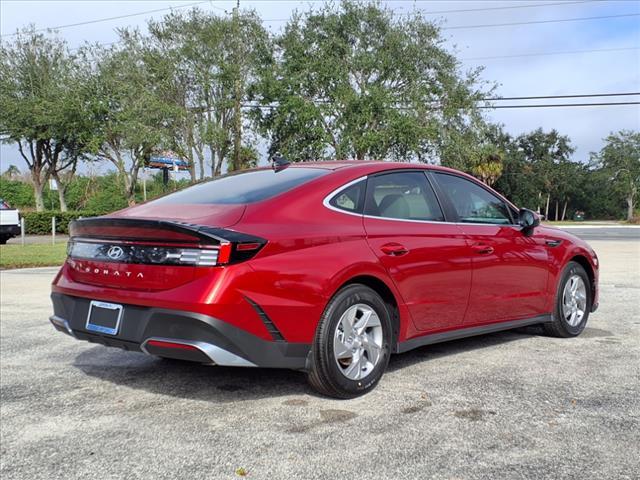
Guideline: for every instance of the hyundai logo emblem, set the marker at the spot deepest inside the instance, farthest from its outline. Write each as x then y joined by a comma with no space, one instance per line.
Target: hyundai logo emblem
115,252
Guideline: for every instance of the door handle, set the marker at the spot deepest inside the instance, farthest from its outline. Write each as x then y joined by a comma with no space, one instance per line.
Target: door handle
394,249
553,243
482,249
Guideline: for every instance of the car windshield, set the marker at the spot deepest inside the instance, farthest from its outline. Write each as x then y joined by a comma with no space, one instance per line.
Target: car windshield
245,187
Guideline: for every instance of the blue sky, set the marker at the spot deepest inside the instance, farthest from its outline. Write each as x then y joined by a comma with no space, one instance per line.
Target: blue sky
578,73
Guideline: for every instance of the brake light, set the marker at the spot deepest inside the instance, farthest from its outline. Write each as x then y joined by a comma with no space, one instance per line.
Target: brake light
225,253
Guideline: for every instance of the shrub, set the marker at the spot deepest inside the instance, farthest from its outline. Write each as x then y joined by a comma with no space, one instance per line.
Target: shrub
39,223
17,194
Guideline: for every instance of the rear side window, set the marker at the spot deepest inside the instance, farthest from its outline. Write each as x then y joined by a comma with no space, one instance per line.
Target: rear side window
473,203
245,187
350,199
403,196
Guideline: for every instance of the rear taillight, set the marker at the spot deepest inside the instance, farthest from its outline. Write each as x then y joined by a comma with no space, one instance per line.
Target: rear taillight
159,243
142,254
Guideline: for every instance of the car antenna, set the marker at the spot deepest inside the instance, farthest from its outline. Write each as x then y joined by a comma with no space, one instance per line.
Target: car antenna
279,163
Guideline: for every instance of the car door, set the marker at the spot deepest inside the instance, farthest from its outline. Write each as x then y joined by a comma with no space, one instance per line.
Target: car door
426,257
510,269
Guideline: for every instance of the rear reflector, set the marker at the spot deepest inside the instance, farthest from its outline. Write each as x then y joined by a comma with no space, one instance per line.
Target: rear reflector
246,247
178,346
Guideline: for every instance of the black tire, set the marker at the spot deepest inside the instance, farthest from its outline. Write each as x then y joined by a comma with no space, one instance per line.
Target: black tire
324,374
559,327
3,239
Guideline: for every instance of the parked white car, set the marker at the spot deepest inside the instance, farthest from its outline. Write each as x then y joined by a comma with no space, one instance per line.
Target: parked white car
9,222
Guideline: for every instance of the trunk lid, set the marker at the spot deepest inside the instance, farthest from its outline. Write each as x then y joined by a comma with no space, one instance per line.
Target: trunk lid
152,254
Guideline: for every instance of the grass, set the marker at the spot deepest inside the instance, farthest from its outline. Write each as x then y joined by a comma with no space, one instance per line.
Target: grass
32,255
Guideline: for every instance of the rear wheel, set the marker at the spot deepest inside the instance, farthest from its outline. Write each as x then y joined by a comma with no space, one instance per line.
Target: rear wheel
573,303
3,239
352,345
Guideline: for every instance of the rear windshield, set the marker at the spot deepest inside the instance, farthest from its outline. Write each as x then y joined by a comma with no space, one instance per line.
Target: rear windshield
243,187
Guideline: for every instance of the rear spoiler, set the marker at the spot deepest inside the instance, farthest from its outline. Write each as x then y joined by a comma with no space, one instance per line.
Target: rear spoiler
116,228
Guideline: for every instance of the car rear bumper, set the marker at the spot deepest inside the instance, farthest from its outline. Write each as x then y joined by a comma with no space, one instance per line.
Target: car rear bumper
13,230
161,332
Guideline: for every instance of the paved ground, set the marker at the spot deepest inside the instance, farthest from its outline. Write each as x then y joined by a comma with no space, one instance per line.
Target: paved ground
606,233
505,406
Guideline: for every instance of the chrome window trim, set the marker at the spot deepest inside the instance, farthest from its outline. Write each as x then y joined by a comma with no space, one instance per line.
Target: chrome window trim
335,192
328,198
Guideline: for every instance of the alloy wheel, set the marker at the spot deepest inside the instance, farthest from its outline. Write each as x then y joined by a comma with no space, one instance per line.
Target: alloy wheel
357,344
574,300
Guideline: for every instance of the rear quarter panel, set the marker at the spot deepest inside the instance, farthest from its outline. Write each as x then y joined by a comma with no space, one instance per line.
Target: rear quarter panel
311,252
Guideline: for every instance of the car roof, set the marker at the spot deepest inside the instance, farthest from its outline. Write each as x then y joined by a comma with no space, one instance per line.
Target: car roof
368,166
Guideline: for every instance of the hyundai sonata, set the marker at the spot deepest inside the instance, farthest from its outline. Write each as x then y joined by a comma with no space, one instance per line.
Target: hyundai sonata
325,267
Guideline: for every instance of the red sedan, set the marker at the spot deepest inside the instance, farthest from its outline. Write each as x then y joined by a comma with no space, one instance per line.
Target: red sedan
325,267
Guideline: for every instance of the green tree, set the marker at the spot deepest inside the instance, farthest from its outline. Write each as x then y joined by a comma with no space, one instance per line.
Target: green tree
11,173
620,157
40,109
354,81
132,117
211,57
545,156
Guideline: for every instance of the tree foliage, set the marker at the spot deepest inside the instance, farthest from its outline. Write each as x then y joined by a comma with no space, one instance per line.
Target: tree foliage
350,80
42,108
132,117
208,54
620,158
354,81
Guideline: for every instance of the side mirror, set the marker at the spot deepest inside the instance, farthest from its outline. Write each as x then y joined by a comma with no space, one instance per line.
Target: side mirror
528,220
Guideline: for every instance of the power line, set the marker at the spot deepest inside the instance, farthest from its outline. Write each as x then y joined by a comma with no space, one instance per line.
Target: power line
532,22
118,17
553,105
463,10
510,7
586,95
566,52
435,107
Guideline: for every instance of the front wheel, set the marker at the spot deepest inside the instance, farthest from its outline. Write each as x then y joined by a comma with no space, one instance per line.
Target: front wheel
573,303
3,239
352,345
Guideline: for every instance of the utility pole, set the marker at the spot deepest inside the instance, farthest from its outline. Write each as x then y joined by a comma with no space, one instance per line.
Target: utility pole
237,130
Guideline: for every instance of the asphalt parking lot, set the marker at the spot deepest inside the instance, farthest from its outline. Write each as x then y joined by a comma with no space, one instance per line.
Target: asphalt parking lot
508,405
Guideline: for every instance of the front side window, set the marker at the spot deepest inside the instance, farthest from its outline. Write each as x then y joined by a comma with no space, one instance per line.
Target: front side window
472,203
351,198
244,187
402,195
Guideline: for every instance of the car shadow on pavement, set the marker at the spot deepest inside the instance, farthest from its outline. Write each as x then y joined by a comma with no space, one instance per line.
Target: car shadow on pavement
454,347
227,384
189,380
